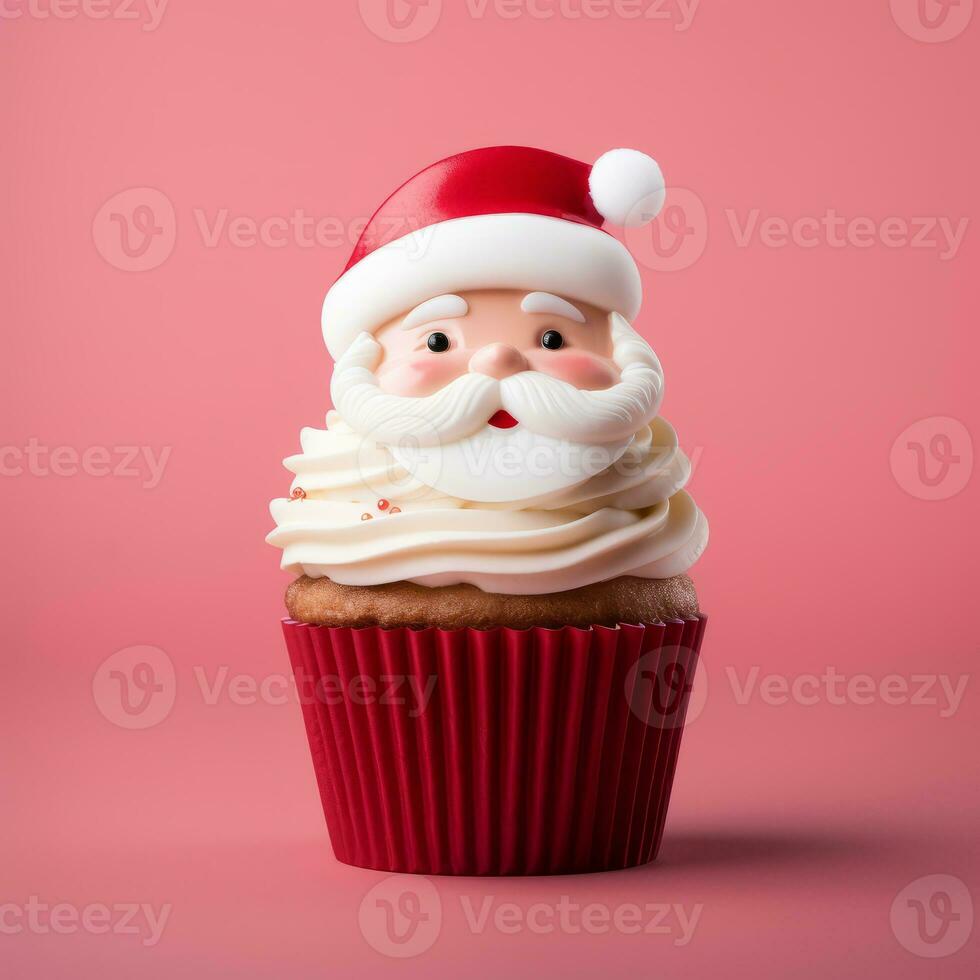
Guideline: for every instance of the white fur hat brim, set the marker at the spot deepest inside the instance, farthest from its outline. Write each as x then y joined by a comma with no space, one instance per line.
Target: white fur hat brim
491,251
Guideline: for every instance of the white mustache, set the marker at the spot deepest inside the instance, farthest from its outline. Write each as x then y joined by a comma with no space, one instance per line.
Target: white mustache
546,405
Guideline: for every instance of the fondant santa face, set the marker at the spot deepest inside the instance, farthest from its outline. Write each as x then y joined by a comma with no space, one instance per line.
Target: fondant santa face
497,333
489,348
500,395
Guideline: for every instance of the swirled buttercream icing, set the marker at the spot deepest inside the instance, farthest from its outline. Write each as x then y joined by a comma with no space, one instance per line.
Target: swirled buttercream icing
358,517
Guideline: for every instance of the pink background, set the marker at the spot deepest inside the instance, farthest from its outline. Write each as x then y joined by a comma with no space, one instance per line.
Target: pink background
792,371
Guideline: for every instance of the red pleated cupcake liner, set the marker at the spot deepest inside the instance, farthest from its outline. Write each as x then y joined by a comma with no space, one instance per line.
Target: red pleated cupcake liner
537,752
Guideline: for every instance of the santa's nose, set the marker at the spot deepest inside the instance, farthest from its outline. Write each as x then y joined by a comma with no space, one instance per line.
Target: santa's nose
498,361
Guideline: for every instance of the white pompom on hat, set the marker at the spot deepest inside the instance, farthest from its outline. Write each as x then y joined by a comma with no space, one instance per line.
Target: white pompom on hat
499,217
627,187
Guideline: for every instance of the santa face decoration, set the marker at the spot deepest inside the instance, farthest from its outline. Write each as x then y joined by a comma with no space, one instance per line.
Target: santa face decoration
500,395
490,351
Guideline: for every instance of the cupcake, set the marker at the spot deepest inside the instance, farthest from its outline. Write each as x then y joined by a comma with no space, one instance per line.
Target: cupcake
490,620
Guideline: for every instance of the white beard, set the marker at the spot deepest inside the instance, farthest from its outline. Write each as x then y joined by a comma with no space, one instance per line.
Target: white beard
506,465
564,437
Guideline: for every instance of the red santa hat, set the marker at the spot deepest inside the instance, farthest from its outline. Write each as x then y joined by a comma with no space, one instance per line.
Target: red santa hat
499,217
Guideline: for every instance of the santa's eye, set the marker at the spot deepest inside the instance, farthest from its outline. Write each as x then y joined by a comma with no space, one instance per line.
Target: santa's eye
552,340
437,342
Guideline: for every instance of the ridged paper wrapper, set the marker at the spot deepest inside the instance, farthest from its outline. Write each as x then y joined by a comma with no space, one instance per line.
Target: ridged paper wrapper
495,752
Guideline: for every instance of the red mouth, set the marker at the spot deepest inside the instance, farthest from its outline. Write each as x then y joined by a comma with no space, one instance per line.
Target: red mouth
502,420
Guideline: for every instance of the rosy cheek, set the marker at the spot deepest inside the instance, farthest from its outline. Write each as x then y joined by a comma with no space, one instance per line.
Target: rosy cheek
421,374
579,368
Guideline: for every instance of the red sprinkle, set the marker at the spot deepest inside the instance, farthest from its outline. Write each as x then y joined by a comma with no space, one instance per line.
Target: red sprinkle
298,494
383,504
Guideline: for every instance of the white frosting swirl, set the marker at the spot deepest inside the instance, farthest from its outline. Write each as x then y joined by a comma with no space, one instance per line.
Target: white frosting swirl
633,518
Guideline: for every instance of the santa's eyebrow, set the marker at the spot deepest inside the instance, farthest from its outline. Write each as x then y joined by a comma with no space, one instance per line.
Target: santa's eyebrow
555,305
437,308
